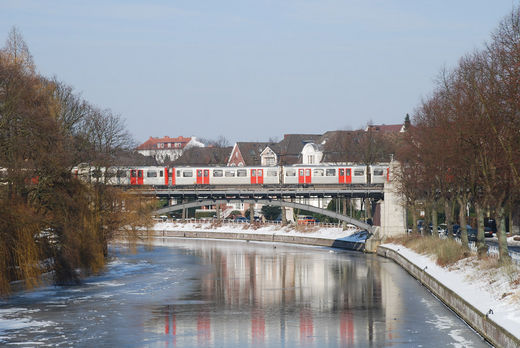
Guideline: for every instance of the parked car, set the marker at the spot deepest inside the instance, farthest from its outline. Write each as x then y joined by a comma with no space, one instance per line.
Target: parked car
305,220
472,232
241,219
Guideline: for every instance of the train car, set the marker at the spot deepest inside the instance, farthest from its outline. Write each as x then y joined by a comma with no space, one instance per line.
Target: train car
189,176
316,175
379,174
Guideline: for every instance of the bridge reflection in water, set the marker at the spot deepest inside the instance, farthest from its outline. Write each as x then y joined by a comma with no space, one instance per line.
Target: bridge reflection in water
264,295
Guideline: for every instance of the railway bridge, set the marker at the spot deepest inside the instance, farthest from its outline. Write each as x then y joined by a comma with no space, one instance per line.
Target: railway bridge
388,205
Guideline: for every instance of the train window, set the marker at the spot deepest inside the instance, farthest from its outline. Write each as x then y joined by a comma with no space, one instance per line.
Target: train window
218,173
139,173
96,173
121,174
348,172
330,172
187,173
178,173
318,172
378,172
359,172
290,172
229,173
161,173
241,172
272,173
151,174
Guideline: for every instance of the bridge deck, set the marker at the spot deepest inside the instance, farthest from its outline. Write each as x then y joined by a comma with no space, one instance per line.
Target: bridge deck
351,191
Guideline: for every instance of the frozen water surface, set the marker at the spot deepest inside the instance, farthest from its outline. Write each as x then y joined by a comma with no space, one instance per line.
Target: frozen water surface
205,293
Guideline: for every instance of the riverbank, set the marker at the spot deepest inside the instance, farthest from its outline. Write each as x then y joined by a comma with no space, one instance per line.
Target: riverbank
350,234
487,298
333,236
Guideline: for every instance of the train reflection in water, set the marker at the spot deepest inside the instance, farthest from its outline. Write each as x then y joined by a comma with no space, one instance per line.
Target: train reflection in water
261,294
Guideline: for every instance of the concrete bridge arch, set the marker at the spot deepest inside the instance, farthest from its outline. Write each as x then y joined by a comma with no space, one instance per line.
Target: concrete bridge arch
280,203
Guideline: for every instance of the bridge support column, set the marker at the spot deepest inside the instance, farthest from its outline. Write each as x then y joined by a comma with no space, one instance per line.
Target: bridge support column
183,210
393,213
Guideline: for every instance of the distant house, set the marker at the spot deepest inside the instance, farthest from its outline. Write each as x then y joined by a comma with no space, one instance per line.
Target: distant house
250,154
386,128
166,148
204,156
291,149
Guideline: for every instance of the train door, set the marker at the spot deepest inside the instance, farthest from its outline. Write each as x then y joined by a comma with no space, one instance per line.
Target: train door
202,176
259,176
304,176
206,177
140,177
345,176
200,179
136,177
169,176
253,176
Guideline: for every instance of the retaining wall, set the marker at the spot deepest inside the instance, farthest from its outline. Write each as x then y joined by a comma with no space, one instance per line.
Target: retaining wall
491,331
262,238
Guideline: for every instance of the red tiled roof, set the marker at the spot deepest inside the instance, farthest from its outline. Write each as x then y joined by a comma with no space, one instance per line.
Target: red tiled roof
152,142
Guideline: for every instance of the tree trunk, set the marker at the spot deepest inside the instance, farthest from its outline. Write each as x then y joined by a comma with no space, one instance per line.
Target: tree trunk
251,213
426,222
284,216
435,224
414,220
344,201
368,209
462,218
503,252
482,248
449,218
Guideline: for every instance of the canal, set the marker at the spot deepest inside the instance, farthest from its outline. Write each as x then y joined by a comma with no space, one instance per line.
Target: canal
207,293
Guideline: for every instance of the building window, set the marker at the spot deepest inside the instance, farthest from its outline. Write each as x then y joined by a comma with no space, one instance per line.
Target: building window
310,159
270,161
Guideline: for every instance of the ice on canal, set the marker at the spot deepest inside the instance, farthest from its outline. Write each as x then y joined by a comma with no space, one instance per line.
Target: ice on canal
200,293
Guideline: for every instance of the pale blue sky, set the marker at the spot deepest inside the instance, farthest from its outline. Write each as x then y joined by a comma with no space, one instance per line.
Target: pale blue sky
250,70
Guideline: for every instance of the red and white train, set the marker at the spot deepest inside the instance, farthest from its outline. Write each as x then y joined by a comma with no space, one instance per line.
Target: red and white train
191,176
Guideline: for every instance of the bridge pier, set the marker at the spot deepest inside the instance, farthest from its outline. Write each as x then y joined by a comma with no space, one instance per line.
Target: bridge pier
393,213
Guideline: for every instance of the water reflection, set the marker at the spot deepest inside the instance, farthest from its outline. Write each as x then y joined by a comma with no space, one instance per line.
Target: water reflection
253,294
197,293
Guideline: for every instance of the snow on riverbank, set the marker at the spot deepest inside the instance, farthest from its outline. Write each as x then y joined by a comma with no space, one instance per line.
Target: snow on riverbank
336,233
486,288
